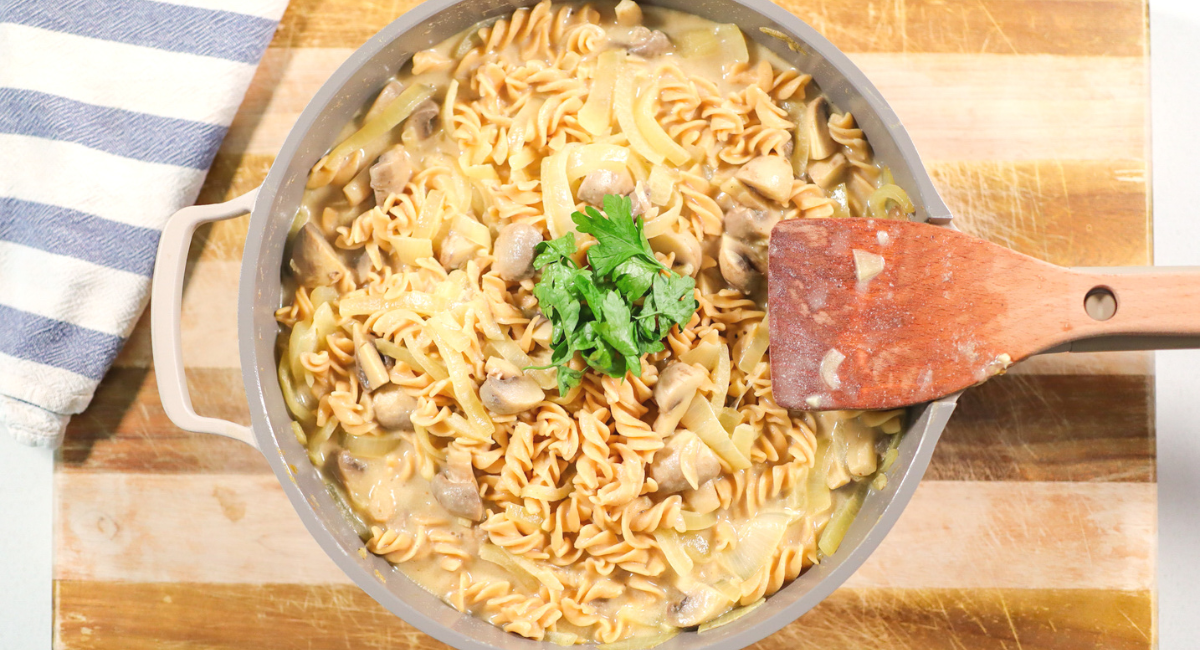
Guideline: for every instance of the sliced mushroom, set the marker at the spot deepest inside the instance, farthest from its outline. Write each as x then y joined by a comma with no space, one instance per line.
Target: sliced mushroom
699,604
363,267
514,251
639,199
507,391
422,118
741,265
370,365
684,449
314,260
686,248
676,387
828,173
603,181
647,43
820,143
391,173
385,97
750,225
456,250
456,489
393,408
629,13
348,470
770,175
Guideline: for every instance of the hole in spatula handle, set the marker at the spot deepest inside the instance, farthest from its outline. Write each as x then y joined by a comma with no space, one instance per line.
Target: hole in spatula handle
1100,303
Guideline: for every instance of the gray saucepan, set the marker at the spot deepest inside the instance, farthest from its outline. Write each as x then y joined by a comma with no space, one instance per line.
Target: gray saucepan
274,204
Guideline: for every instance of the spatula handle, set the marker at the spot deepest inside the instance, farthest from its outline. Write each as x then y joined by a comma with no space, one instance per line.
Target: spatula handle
1155,308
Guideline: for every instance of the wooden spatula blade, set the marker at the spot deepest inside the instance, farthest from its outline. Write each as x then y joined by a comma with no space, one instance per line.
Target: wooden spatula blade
909,334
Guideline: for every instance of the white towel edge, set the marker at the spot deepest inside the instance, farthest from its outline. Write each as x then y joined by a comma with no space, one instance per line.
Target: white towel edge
32,425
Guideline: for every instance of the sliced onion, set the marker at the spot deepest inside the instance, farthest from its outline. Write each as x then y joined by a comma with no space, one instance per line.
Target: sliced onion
695,521
371,446
829,368
704,354
866,265
668,543
757,542
720,378
700,419
839,523
743,437
520,565
412,249
877,203
819,498
754,349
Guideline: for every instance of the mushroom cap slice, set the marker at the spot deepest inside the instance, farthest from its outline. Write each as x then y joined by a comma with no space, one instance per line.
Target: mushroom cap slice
820,142
770,175
684,459
647,43
507,391
460,497
391,173
751,225
457,250
314,260
422,118
685,247
514,251
393,407
604,181
699,604
740,265
828,173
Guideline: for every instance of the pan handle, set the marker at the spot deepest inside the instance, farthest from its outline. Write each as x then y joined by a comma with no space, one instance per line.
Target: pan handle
166,297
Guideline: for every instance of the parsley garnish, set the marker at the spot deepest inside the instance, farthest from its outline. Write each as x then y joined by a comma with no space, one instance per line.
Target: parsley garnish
617,308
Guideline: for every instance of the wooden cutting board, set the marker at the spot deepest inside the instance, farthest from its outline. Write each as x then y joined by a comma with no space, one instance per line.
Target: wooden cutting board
1034,528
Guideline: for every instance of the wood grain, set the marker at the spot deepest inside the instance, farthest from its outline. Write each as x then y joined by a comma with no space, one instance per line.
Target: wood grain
1070,27
137,616
126,430
236,528
1051,428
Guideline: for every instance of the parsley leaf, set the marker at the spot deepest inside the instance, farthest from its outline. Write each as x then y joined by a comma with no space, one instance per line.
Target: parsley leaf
617,308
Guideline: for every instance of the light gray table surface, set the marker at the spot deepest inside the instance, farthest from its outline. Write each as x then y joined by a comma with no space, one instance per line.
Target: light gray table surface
27,475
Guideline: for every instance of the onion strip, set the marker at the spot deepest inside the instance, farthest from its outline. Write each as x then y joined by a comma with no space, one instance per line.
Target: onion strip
596,115
387,119
623,106
647,123
557,201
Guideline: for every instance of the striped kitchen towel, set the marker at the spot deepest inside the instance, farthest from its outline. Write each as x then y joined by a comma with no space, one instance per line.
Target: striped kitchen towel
110,114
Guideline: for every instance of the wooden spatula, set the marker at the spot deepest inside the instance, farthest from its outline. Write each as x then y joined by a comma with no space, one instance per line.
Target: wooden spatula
873,314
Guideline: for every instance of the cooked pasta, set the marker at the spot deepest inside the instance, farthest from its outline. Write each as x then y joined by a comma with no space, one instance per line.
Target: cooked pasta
518,479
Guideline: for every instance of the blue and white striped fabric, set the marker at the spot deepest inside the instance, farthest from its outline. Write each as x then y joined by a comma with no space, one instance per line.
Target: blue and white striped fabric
110,114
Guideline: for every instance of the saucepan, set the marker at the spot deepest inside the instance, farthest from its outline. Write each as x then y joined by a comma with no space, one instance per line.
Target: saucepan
273,207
